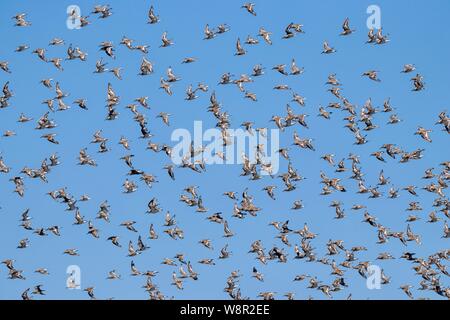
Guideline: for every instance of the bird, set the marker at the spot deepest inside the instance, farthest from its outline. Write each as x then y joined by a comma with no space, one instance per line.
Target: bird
265,35
220,160
189,60
71,252
406,289
372,75
346,28
21,48
81,103
90,292
153,18
408,68
424,133
327,49
129,225
239,49
38,290
250,7
166,42
114,241
113,275
146,67
209,34
226,229
20,20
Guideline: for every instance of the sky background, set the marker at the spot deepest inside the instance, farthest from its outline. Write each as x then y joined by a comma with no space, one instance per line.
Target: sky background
416,29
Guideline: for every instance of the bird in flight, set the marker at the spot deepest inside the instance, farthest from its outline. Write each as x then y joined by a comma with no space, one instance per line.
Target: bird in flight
104,174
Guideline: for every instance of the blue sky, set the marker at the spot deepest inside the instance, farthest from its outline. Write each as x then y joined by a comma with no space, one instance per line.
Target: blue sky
416,30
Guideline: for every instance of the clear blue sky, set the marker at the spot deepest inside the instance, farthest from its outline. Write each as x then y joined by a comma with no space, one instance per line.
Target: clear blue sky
417,31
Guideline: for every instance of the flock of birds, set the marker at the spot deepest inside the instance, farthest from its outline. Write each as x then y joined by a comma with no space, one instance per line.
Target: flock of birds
295,244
